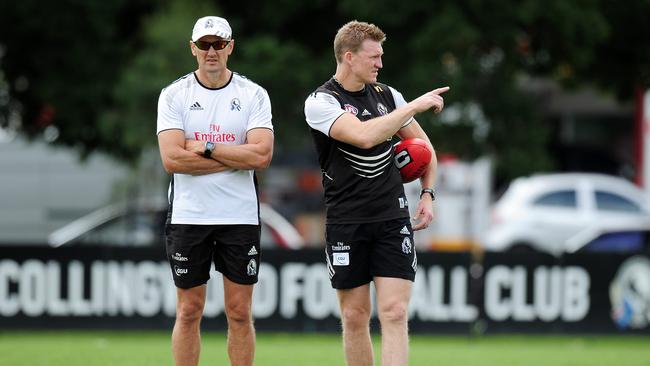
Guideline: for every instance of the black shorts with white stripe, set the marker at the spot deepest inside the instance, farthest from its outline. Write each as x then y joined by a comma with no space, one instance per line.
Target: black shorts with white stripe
356,253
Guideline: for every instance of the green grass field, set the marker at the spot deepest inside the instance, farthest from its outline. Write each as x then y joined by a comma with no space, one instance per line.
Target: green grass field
153,348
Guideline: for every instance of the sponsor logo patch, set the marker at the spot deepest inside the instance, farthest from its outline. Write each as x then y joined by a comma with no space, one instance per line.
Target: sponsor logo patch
180,271
340,246
178,257
403,203
253,251
366,113
196,107
341,259
350,108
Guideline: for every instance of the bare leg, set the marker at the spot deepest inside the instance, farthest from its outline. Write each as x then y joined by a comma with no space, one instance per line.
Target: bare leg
393,296
241,333
186,337
355,315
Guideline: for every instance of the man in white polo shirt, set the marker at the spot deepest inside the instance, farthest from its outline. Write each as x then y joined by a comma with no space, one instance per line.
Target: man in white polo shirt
214,130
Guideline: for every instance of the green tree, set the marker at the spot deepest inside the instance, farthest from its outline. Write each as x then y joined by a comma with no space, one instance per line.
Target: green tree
99,67
60,60
164,56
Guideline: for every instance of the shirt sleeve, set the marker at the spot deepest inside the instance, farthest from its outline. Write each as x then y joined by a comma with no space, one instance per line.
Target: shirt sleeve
169,115
399,102
321,111
260,116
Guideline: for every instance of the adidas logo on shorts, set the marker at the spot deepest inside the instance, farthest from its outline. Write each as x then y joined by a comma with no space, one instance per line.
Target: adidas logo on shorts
405,231
253,251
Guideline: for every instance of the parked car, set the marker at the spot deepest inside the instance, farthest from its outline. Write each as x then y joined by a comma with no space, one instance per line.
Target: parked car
558,213
142,224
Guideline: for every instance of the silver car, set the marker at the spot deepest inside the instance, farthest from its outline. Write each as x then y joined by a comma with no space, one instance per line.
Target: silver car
142,224
560,213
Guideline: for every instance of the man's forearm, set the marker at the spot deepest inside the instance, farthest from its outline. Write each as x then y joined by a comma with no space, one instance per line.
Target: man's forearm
382,128
247,156
428,180
187,162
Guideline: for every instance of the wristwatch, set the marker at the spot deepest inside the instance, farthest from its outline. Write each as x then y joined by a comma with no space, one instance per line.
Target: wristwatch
209,147
430,191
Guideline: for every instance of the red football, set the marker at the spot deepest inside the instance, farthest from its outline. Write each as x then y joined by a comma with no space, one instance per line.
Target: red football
412,158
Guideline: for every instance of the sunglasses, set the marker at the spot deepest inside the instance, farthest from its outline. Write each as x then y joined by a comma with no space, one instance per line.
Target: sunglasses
217,45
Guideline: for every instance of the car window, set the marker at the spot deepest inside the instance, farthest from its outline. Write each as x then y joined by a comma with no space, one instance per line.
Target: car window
557,199
146,228
132,229
607,201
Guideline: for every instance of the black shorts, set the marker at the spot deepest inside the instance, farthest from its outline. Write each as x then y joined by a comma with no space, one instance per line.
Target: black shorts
191,250
356,253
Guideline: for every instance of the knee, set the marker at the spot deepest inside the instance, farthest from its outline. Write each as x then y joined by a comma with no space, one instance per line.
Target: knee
189,311
393,313
239,314
355,318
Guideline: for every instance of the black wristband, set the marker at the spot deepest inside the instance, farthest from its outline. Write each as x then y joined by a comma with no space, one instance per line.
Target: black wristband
430,191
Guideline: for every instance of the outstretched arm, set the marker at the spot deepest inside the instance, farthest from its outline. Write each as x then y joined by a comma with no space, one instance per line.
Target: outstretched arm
349,129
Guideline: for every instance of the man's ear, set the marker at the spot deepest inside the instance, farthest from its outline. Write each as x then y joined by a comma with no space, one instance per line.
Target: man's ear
347,57
192,45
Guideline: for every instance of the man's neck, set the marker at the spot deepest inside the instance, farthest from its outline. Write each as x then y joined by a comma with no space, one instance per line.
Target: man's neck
214,80
348,81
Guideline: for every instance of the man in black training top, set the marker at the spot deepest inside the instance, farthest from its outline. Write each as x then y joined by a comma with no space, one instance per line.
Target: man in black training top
352,119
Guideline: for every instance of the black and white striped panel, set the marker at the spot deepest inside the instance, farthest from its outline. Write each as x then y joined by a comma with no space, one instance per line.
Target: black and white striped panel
369,166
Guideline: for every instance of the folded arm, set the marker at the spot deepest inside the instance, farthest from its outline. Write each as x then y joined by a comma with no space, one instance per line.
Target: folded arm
176,159
256,153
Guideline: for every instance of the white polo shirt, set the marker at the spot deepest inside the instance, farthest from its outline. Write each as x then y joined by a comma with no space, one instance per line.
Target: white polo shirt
223,116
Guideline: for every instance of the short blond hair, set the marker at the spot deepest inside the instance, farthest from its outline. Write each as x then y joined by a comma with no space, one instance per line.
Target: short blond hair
351,35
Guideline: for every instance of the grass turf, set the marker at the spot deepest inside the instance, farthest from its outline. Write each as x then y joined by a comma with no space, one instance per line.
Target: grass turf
153,348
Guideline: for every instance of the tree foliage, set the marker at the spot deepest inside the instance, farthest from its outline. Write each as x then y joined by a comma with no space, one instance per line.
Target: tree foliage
98,67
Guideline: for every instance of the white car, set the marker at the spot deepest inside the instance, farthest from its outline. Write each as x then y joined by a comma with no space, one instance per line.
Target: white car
142,224
560,213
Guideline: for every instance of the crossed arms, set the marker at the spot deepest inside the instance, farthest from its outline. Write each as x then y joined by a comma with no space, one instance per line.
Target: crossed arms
183,156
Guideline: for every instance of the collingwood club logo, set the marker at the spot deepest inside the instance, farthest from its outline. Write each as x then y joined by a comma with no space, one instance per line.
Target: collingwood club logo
629,294
382,109
406,246
235,104
251,269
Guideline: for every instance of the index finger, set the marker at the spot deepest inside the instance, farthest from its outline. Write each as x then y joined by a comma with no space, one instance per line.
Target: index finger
440,90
